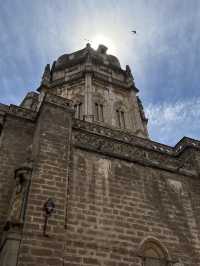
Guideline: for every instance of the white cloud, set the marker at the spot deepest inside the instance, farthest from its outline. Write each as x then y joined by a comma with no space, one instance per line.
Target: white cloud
164,54
169,121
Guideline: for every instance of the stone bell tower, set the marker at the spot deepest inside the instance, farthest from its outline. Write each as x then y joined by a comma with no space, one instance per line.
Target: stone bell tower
81,184
101,90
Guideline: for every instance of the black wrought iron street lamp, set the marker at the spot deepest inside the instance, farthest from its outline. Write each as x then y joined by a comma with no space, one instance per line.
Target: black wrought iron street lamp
49,208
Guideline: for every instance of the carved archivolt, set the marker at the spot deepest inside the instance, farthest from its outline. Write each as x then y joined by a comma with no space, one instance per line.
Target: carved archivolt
152,252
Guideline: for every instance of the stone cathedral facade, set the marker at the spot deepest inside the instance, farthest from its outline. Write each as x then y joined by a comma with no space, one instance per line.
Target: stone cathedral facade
81,182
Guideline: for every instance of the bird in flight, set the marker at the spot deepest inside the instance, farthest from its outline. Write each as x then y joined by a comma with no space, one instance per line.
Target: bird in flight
133,31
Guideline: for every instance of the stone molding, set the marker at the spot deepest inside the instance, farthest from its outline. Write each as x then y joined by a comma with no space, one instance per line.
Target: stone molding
96,75
22,112
29,114
59,101
125,146
128,137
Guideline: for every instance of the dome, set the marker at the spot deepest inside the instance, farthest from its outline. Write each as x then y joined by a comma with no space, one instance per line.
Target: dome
99,55
61,60
113,60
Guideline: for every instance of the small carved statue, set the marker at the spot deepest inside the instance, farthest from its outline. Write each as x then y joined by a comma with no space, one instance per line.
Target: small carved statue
128,71
46,75
141,109
19,197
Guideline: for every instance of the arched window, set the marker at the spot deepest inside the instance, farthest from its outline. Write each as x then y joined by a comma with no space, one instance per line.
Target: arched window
153,254
120,114
99,112
78,110
120,118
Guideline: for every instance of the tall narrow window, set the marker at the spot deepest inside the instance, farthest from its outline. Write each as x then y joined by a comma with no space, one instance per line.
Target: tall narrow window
99,116
101,112
75,109
78,110
120,116
122,119
97,111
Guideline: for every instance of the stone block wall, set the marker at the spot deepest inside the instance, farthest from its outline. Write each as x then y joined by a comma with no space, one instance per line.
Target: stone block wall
112,191
15,141
114,205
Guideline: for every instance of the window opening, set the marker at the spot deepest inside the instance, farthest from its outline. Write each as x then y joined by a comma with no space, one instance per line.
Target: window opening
97,111
99,116
101,112
78,110
120,119
123,119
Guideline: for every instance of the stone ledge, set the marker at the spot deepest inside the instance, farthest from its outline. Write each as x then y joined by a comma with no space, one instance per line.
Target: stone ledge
98,75
125,146
3,108
59,101
130,138
22,112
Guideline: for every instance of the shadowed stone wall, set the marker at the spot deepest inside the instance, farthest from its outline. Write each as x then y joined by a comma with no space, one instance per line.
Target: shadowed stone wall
111,189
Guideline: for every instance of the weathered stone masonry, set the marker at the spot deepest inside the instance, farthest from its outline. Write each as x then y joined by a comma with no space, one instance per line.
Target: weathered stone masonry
120,198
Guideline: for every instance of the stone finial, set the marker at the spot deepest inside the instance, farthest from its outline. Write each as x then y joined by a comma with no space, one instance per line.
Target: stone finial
102,49
88,58
88,45
128,71
141,109
46,75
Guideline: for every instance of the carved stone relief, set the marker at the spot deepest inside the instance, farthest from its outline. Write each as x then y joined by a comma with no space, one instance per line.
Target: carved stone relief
128,151
19,197
176,186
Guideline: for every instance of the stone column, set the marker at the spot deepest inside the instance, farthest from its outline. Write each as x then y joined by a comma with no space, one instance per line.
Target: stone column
89,116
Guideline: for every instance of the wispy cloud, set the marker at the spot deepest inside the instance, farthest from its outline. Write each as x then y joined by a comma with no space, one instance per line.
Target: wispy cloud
164,54
168,122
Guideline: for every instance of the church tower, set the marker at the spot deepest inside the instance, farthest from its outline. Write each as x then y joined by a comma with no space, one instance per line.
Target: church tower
81,183
102,92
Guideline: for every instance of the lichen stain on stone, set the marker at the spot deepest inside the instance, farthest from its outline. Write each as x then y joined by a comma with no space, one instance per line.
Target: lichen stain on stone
104,167
176,186
104,170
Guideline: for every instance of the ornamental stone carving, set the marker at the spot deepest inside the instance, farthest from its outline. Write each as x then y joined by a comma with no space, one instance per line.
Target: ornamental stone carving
19,197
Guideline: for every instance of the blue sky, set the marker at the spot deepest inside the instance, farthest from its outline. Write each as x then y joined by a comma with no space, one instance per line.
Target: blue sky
164,55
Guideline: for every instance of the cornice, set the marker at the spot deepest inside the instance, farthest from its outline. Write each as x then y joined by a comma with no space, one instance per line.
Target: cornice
123,145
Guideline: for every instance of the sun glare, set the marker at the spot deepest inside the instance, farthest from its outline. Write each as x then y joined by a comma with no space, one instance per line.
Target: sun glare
108,42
